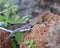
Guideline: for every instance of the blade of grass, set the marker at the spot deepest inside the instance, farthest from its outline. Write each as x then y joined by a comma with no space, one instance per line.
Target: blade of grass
18,37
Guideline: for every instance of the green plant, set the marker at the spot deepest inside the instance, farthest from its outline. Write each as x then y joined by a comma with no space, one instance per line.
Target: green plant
9,12
10,16
29,43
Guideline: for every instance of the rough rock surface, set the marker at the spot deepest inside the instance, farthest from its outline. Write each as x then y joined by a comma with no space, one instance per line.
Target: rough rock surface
45,35
3,35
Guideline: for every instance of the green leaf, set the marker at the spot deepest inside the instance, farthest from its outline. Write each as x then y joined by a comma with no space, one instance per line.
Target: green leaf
6,10
13,44
6,20
31,41
12,20
18,36
33,46
1,18
14,8
26,41
6,5
16,19
1,1
29,46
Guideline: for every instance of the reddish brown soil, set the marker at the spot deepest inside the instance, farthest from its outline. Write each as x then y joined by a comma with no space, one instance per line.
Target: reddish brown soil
3,35
45,35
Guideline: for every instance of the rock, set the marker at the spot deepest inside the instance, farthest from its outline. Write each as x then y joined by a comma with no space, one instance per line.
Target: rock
45,35
3,35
